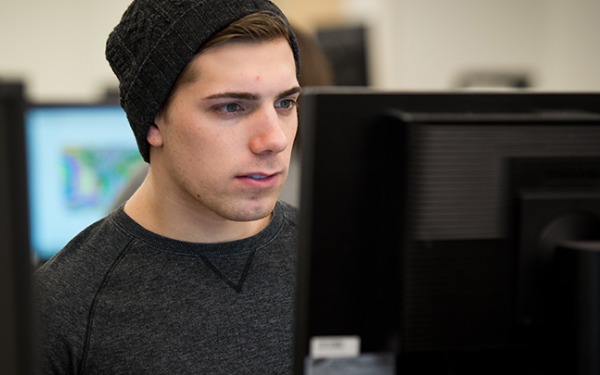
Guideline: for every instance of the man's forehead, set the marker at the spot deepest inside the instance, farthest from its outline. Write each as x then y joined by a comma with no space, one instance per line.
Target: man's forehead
236,51
244,68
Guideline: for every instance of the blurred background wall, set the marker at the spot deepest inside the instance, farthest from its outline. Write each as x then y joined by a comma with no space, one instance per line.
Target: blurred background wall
57,46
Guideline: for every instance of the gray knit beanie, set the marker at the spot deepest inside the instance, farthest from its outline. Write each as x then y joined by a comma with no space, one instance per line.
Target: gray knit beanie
156,39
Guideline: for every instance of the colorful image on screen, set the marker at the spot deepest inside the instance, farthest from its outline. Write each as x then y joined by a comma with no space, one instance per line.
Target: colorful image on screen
79,160
94,177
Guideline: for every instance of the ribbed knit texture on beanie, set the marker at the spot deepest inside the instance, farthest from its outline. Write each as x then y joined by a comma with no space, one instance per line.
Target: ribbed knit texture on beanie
156,39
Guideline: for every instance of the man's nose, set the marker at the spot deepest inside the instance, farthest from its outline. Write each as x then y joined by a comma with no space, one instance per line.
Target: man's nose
268,135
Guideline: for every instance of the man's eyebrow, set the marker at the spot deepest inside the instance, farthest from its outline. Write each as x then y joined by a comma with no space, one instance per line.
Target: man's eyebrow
250,96
292,91
234,95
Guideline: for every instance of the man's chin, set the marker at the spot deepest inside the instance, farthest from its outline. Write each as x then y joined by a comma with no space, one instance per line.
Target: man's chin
255,211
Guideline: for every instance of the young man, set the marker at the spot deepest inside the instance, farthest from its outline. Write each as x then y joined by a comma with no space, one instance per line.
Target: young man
195,273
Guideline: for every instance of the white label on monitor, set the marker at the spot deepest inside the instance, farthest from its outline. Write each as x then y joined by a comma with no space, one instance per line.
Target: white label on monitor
334,346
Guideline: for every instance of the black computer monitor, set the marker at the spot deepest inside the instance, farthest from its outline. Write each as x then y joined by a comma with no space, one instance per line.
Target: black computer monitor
80,156
15,263
430,223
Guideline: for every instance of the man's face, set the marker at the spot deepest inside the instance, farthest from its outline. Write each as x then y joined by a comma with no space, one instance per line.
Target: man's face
222,146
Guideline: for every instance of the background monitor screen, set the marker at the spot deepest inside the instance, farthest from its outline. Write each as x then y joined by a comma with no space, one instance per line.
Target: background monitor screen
79,158
430,224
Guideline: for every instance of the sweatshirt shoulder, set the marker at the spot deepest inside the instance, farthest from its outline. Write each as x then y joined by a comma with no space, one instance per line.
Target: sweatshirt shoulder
85,259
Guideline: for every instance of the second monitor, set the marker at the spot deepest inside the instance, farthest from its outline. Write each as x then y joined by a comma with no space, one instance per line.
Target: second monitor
430,223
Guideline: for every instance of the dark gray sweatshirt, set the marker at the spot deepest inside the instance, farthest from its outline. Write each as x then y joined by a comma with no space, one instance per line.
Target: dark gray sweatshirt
119,299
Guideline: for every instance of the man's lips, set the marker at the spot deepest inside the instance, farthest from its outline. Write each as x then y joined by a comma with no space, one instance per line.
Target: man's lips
259,180
257,176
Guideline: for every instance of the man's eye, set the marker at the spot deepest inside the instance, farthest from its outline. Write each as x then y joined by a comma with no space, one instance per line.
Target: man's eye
229,108
286,103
